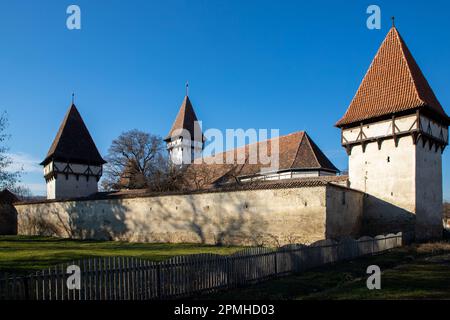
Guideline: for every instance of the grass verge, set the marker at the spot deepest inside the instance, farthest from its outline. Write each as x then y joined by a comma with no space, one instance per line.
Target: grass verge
23,253
414,272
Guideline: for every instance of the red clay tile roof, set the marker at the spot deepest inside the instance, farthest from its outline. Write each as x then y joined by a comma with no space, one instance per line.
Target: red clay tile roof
73,142
186,119
393,83
297,151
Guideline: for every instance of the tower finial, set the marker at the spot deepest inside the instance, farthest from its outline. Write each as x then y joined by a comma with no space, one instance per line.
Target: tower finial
393,21
187,88
73,98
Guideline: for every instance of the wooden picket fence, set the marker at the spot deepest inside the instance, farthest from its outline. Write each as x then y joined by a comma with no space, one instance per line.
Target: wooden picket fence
127,278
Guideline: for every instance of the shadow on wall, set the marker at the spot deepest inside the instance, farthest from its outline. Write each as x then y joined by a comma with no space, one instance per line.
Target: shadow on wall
229,220
8,219
381,217
76,219
8,213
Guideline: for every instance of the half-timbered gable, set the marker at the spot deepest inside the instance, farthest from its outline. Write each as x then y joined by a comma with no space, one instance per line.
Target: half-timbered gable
73,166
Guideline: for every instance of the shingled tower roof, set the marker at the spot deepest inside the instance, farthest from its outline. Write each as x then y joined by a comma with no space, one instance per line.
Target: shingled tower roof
73,142
394,83
186,119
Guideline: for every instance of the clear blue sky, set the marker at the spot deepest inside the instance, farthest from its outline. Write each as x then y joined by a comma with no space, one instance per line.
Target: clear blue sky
290,65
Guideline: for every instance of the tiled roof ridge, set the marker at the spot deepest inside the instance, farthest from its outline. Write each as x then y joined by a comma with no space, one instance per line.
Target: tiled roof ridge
393,83
298,149
408,63
313,151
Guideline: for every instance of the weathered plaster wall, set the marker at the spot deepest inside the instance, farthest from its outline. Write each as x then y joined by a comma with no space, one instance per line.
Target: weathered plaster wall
270,217
404,182
388,177
429,181
252,217
428,192
344,212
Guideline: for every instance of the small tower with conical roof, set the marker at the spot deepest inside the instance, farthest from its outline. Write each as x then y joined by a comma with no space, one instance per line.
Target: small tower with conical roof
73,165
394,132
185,139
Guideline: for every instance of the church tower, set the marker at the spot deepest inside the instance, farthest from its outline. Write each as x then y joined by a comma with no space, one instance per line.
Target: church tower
185,139
73,165
394,132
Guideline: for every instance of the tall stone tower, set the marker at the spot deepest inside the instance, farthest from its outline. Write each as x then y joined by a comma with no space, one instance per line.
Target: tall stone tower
73,165
394,132
185,139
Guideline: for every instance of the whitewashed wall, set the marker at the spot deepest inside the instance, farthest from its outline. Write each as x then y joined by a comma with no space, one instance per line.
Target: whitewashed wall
403,183
64,187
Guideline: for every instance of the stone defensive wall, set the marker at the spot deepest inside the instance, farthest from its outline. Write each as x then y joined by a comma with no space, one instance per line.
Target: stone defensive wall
269,214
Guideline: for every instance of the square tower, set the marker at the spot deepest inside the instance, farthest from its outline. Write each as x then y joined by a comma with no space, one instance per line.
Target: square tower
395,131
73,165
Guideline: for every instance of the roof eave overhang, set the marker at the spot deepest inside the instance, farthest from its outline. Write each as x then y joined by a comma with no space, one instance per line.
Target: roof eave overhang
74,161
355,123
426,110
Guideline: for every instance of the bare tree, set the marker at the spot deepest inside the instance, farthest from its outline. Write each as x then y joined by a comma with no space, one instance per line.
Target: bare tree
203,176
138,160
8,179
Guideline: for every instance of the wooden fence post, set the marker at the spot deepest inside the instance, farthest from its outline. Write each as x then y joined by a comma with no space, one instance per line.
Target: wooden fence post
26,288
276,262
158,281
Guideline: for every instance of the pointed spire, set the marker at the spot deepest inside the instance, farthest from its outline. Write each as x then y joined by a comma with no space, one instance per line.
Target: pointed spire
73,98
187,88
186,119
393,83
73,142
393,21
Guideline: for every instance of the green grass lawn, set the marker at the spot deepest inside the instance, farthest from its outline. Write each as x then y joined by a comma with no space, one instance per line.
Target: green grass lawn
24,253
414,272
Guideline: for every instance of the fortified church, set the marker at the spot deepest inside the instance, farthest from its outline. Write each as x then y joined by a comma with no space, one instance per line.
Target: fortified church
394,132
